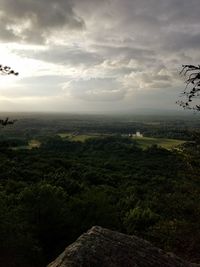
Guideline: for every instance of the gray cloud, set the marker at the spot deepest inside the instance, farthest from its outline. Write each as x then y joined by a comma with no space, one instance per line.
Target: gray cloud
182,41
127,49
32,21
126,52
64,55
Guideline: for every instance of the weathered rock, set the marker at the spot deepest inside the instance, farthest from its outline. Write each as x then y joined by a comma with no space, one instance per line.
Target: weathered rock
101,247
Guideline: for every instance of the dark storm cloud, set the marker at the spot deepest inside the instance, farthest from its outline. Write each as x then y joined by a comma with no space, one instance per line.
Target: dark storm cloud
31,20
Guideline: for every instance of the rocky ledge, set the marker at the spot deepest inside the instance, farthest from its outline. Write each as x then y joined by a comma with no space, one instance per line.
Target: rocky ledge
101,247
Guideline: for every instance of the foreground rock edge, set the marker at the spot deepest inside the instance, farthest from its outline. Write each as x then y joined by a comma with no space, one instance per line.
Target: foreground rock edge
100,247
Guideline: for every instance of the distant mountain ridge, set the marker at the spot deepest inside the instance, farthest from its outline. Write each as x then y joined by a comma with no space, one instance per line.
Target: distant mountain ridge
100,247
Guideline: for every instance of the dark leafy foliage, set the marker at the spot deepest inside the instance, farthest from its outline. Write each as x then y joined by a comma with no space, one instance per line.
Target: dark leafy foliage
51,195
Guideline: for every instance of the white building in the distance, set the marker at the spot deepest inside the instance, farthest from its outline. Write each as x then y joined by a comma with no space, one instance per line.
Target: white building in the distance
137,134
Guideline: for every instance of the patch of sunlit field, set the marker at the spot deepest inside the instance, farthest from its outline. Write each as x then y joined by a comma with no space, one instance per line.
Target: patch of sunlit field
146,142
31,144
79,137
143,142
34,144
82,137
65,135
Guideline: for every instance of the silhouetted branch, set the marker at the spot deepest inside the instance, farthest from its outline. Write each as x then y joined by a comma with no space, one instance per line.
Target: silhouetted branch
7,122
5,70
191,92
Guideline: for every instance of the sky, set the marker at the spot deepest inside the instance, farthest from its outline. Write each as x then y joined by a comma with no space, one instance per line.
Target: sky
96,55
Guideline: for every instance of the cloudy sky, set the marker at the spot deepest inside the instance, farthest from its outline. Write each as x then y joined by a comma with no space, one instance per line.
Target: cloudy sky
96,55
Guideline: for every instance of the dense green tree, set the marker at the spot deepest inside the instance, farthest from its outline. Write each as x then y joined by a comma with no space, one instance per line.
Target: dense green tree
139,219
51,195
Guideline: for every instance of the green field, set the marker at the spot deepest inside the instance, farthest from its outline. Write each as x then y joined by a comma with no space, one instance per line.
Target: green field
79,137
31,144
145,142
34,144
65,135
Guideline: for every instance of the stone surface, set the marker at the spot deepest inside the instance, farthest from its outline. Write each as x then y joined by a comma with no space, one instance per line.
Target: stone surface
101,247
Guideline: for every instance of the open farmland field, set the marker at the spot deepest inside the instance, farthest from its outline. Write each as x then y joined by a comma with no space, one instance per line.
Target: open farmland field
34,144
80,137
31,144
145,142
